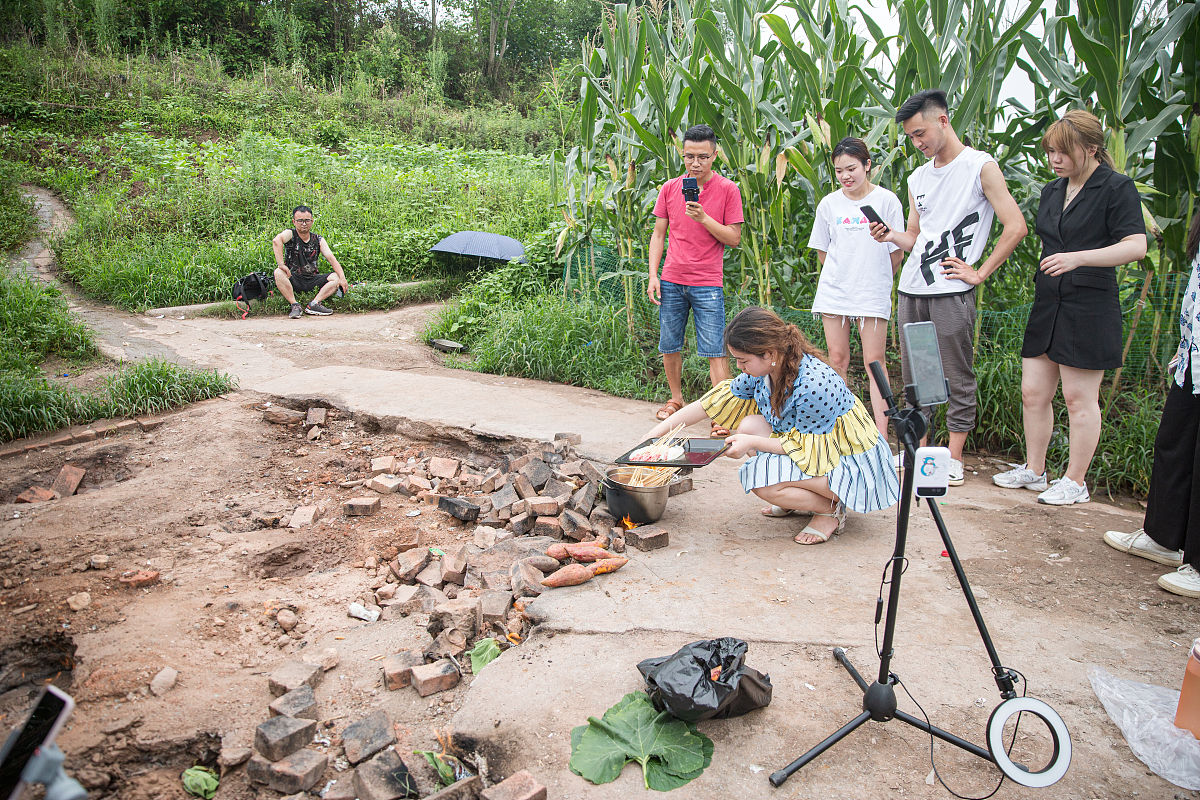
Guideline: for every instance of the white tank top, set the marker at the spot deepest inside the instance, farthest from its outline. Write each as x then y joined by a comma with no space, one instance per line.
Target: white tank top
956,219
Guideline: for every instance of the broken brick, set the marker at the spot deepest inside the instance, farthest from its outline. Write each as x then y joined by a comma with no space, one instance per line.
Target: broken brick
492,606
68,480
679,486
543,506
316,416
440,467
140,578
439,676
299,772
361,506
385,484
522,523
575,525
518,786
300,703
432,574
408,564
281,736
525,579
454,566
304,516
384,465
504,497
524,488
584,499
35,494
536,472
292,675
385,777
397,669
646,537
548,526
368,736
459,508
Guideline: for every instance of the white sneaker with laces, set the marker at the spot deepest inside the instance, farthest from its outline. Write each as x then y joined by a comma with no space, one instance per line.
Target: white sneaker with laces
1140,544
1184,581
1022,477
1064,492
955,472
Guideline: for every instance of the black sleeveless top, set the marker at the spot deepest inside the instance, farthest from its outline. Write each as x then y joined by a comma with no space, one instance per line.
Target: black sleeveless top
300,256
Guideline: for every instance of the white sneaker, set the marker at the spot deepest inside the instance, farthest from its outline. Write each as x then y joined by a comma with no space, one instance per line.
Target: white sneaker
1184,581
1064,492
955,472
1140,544
1022,477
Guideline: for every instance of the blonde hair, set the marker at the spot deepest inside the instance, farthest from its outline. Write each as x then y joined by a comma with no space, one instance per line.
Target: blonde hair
1078,129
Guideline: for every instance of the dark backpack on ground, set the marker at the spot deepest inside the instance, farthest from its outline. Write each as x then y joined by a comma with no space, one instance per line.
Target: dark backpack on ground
255,286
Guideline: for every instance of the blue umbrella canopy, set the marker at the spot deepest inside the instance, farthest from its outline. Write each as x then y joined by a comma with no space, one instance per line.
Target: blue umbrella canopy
481,245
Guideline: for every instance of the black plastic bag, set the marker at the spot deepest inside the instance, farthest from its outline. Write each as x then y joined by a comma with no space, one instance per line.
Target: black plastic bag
683,683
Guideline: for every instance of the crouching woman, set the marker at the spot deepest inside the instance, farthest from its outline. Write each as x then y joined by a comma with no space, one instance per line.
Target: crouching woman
813,447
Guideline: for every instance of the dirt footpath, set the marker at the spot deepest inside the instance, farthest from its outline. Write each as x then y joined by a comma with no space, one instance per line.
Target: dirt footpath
199,500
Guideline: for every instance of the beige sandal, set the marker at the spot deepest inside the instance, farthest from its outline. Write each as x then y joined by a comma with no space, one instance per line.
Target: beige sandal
838,513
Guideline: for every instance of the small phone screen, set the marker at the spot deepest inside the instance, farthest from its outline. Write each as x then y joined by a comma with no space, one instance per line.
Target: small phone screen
40,724
925,363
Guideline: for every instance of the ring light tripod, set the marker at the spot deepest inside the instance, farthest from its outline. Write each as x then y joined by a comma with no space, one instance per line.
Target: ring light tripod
879,698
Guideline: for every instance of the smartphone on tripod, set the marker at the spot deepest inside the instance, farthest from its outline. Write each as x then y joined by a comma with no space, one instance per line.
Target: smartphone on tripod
45,721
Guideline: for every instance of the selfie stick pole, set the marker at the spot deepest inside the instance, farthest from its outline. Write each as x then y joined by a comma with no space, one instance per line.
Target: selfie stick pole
879,698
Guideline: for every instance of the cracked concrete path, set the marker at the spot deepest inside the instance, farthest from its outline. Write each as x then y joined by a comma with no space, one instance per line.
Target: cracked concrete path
1055,597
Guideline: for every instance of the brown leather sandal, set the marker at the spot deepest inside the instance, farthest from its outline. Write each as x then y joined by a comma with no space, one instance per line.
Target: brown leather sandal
667,409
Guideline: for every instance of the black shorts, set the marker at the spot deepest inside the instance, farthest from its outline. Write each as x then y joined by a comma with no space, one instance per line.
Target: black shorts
308,283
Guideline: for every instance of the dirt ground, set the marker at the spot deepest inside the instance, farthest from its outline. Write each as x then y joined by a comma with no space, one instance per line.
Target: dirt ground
199,499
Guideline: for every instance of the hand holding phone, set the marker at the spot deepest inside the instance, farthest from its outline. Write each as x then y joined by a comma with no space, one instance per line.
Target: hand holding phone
45,721
691,190
873,215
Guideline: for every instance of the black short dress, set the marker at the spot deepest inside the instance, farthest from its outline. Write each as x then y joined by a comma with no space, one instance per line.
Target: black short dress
1076,317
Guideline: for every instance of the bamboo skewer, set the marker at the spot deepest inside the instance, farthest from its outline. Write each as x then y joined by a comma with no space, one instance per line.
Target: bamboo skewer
657,476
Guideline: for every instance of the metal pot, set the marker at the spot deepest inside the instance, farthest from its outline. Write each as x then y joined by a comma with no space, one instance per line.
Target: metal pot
642,504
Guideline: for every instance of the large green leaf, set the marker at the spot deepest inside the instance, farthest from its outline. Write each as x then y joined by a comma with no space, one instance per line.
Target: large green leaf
671,752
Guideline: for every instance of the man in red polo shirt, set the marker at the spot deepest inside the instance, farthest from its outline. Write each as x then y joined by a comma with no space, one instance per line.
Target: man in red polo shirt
693,278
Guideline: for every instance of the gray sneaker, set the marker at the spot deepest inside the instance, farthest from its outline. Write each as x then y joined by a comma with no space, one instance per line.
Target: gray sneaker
296,311
1064,492
1184,581
317,310
1140,544
1022,477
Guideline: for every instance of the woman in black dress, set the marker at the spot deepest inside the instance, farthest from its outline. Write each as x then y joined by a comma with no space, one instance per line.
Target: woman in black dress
1089,221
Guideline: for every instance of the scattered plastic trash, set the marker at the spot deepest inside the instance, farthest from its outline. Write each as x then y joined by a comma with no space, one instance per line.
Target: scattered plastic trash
706,679
200,781
1146,716
945,554
416,512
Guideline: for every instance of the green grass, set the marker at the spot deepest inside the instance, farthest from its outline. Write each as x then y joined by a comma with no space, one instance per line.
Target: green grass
173,222
17,219
35,325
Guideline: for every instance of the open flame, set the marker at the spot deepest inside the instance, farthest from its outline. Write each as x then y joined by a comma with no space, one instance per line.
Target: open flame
628,523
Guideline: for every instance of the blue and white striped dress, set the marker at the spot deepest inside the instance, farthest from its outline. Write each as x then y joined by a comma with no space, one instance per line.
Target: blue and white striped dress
826,431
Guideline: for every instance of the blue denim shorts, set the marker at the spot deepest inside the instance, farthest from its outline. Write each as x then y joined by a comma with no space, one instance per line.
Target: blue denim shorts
707,303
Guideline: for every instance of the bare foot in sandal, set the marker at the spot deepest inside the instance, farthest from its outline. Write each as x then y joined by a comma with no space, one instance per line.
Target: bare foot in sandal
667,409
822,526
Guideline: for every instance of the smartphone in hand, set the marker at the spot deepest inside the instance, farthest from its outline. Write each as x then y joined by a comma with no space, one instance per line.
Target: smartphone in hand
44,723
691,190
873,215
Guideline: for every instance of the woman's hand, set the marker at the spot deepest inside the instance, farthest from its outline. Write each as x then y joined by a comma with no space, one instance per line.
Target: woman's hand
742,445
1060,263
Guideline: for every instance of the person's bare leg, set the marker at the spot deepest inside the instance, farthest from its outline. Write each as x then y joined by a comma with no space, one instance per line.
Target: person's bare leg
1039,382
284,285
1081,390
328,289
958,440
873,334
673,367
837,342
812,496
718,370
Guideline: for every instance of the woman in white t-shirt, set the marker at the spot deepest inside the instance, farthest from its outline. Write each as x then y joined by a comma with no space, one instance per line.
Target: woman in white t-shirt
856,271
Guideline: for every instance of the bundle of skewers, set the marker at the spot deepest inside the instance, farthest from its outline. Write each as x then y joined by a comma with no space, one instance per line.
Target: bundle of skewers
667,447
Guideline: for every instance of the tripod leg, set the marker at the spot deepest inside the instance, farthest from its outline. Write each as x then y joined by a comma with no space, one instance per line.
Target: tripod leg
945,736
840,654
777,778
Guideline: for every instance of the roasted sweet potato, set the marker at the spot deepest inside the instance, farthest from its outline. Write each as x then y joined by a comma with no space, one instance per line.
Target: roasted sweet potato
570,575
543,563
558,552
586,552
602,566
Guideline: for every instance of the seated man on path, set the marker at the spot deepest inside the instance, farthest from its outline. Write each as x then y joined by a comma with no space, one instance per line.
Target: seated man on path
297,251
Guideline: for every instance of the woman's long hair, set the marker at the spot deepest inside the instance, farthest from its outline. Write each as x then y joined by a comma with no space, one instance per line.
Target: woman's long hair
755,331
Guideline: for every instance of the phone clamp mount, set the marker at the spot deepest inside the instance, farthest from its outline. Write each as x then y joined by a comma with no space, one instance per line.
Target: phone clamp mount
879,698
46,767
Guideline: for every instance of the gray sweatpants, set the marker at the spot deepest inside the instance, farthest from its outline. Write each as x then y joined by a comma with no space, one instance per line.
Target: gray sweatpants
954,318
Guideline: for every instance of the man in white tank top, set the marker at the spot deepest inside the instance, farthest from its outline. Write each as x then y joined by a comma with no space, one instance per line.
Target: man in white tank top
951,202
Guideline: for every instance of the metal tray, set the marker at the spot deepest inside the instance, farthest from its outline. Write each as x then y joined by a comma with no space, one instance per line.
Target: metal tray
696,453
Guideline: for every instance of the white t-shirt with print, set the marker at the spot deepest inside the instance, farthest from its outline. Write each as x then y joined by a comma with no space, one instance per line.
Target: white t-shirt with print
956,220
856,279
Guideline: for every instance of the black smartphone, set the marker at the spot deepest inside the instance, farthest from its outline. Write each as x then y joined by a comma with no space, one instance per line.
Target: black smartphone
691,191
44,723
920,341
873,215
